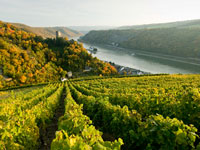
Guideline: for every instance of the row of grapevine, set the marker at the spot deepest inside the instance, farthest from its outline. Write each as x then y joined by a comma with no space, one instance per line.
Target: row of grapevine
77,132
24,94
183,105
149,112
153,132
114,76
23,102
19,126
176,96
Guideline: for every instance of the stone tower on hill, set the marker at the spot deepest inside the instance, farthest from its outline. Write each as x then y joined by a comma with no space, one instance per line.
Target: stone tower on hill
58,34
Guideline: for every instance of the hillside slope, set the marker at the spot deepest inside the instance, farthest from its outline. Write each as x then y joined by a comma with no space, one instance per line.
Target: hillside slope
178,41
144,111
156,112
86,29
178,24
26,58
48,32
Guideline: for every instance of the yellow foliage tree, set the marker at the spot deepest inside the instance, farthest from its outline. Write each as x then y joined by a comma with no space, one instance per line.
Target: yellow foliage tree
23,79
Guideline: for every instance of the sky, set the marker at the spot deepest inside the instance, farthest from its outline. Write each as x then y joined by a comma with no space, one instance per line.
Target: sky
97,12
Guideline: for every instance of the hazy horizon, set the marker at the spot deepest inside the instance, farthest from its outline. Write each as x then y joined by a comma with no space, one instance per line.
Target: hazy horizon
115,13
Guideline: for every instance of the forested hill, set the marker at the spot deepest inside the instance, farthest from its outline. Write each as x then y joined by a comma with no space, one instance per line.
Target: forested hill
86,29
177,24
48,32
26,58
174,41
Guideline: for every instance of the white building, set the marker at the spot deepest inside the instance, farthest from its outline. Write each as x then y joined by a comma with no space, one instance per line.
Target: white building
63,79
69,74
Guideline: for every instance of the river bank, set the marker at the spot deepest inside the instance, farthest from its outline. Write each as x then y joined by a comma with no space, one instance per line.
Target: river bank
123,70
189,60
145,61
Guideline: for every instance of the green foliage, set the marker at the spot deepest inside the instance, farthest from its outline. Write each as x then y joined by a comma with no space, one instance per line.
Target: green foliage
150,112
22,115
73,56
76,131
183,42
147,112
170,95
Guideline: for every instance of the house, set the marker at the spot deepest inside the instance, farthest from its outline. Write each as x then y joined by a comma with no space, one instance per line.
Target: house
7,79
87,69
140,73
114,44
63,79
69,74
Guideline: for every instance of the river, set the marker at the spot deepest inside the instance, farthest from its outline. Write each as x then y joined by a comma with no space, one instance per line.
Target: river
147,62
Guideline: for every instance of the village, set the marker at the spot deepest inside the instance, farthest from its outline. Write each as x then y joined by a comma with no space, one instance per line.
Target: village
122,70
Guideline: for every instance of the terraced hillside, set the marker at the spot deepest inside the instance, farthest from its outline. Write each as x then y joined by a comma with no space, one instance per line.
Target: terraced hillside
144,112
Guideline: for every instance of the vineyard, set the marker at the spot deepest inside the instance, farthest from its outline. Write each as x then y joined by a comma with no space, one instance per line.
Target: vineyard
103,113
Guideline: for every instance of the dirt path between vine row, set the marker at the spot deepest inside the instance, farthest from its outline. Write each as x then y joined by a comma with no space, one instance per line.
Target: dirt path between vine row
49,134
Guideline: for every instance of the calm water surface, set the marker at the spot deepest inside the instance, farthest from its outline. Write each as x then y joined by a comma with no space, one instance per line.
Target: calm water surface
146,62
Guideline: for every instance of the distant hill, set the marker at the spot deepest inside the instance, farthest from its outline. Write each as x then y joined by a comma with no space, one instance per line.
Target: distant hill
48,32
178,24
178,38
86,29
